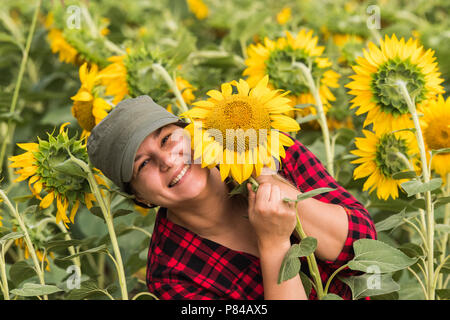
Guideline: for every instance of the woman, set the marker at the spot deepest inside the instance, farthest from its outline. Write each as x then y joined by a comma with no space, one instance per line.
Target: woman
206,244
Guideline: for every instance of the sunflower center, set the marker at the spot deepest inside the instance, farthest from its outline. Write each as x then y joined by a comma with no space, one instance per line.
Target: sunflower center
437,134
281,73
387,156
82,111
385,89
239,118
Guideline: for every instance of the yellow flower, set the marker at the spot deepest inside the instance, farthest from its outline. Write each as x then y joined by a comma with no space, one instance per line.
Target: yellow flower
380,156
41,165
198,8
375,83
187,92
435,125
58,44
274,58
114,78
284,16
87,108
251,116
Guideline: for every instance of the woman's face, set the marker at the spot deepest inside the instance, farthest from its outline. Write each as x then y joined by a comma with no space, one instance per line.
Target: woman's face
163,172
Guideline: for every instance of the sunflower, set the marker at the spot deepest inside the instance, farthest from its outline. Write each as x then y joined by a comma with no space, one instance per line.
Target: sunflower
375,83
284,16
435,124
58,44
198,8
114,78
88,108
43,164
275,58
133,74
255,112
380,156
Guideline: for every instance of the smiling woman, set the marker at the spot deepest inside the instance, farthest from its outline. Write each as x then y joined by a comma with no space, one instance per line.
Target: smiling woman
206,244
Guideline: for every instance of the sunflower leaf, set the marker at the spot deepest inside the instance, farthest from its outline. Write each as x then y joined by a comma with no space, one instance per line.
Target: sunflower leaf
376,256
368,285
34,289
404,175
70,168
310,194
413,187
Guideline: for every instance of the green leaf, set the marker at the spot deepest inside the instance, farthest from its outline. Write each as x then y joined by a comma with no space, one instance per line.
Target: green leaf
404,175
368,285
391,222
87,288
443,150
444,294
307,283
11,236
412,250
99,249
414,186
70,168
290,266
309,117
21,271
442,228
62,244
33,289
310,194
441,201
331,296
306,247
121,212
376,256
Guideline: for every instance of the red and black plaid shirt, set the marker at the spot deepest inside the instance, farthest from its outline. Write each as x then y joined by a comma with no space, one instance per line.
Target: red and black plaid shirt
183,265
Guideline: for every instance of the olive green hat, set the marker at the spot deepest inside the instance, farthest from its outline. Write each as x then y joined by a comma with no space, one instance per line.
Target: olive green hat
113,143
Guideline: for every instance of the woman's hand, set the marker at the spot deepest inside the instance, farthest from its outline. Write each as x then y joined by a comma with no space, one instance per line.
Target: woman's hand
272,219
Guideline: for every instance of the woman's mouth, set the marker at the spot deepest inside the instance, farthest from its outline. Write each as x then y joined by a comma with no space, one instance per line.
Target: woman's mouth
180,176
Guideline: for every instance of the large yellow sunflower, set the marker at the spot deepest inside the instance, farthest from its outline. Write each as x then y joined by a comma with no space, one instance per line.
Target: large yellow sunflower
275,58
375,83
40,163
380,156
88,108
435,125
239,131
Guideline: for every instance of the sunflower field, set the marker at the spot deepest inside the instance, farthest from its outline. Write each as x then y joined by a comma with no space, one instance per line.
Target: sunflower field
363,84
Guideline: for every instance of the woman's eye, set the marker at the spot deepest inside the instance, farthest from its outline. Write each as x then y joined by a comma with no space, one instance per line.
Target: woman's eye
143,164
165,139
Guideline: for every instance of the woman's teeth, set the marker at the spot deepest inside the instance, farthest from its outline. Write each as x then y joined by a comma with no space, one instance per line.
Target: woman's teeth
179,176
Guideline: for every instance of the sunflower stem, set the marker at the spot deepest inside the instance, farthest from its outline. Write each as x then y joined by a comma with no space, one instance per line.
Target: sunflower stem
158,68
320,111
445,236
312,263
109,223
28,242
311,259
4,282
426,178
23,63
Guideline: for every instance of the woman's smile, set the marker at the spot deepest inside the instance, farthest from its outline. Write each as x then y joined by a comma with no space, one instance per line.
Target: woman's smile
180,176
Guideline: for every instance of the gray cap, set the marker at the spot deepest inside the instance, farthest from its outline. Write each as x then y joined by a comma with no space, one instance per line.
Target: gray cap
113,143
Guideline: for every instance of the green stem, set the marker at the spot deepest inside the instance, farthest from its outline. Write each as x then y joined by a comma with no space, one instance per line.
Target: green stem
332,277
158,68
4,282
445,236
321,113
12,108
28,242
109,223
312,263
426,179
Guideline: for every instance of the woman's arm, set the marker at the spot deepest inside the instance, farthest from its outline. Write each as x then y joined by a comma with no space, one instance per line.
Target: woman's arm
274,222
